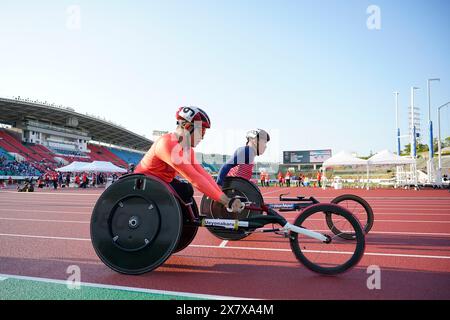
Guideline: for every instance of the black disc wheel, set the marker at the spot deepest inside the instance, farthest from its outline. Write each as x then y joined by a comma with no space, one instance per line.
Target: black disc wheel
233,186
335,255
357,206
189,230
136,224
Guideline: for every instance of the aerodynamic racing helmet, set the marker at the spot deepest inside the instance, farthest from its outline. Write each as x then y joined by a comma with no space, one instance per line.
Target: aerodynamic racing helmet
193,114
258,134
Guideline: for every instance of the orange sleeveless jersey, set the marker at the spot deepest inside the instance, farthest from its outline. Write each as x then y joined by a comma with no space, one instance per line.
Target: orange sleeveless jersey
166,158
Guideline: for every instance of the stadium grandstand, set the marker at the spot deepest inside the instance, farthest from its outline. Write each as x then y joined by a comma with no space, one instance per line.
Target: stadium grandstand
37,136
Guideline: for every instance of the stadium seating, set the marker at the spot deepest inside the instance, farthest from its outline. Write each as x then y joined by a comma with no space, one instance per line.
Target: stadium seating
127,156
101,153
11,144
5,154
44,154
209,166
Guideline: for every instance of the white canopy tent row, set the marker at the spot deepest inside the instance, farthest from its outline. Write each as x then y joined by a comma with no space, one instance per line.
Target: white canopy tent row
384,157
95,166
402,177
343,158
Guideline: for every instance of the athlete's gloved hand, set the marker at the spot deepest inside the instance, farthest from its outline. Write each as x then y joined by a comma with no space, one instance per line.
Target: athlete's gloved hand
232,205
235,205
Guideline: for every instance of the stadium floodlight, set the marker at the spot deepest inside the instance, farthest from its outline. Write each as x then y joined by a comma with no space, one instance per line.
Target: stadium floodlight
413,126
430,166
396,121
430,123
439,140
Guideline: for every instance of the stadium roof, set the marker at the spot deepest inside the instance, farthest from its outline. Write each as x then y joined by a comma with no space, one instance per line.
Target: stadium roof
13,110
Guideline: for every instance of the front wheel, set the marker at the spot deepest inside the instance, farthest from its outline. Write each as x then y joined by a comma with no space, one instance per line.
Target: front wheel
335,255
359,208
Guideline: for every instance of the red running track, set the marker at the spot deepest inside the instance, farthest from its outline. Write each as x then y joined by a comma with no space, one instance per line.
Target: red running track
42,233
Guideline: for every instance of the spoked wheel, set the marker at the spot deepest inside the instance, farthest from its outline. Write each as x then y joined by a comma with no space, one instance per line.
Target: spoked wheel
233,186
359,208
136,224
336,255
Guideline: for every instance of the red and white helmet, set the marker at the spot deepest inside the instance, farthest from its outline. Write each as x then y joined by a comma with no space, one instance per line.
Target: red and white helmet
193,114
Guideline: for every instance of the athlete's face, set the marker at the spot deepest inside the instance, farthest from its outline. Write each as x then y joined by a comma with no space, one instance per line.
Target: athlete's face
262,146
197,135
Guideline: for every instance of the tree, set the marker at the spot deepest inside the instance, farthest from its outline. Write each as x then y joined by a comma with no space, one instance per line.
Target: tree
446,142
419,148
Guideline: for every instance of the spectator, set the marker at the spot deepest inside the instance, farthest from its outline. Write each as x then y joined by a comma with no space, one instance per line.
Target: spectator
60,179
306,179
84,181
287,178
280,179
319,178
267,178
47,180
55,181
300,180
40,182
67,180
77,180
262,178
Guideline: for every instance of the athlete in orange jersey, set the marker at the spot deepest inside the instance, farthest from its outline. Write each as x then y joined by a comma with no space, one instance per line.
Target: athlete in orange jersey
173,154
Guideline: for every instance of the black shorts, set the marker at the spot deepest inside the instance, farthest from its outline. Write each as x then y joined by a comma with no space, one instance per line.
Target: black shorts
183,189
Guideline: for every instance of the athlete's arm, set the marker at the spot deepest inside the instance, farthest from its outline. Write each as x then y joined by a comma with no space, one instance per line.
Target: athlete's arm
168,153
242,155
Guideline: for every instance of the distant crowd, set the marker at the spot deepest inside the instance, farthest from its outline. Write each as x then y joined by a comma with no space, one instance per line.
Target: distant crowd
15,168
289,179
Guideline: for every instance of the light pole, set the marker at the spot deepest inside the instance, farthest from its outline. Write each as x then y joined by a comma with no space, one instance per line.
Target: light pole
396,121
413,126
430,166
430,123
439,141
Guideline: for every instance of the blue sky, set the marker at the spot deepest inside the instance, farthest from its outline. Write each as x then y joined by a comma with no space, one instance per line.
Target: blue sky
310,71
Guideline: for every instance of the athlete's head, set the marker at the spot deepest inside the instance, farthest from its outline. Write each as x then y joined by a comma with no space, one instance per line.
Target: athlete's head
193,121
258,139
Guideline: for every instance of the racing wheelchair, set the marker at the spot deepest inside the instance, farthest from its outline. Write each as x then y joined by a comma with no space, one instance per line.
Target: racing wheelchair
140,221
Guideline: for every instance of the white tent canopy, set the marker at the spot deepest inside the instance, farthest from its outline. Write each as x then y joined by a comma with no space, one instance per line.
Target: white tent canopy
343,158
75,166
386,157
96,166
102,166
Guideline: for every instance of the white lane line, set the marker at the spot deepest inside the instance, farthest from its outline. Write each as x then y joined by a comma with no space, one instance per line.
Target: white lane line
42,220
51,193
410,214
123,288
44,211
223,243
199,196
328,252
284,213
42,237
249,248
379,200
380,220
